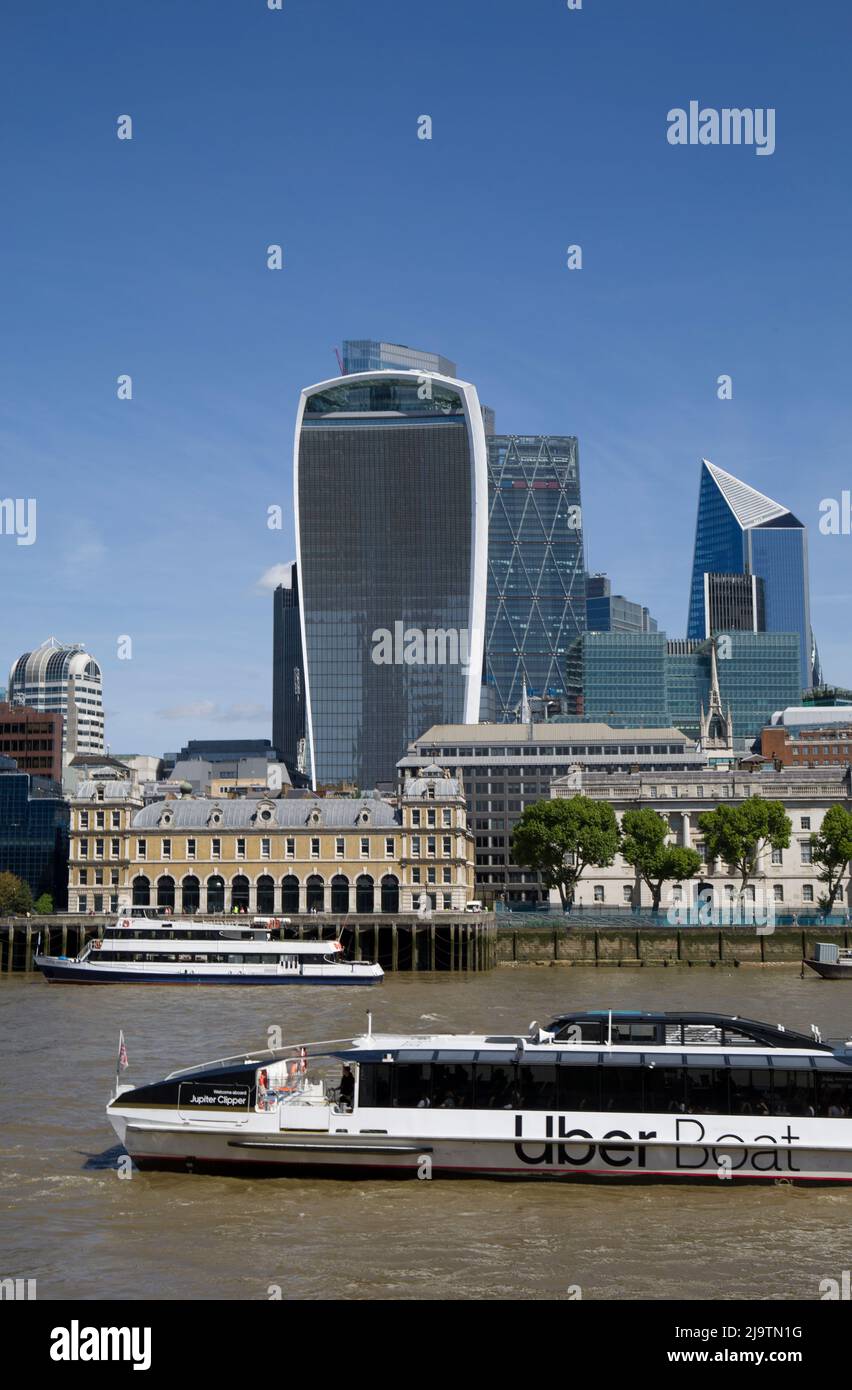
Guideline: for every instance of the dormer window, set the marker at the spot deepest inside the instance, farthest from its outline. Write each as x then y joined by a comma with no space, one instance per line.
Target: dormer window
215,817
314,818
166,818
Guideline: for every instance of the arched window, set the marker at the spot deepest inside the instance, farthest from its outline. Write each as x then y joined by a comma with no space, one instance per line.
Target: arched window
265,893
191,893
390,893
364,894
289,894
340,893
141,891
239,892
216,894
166,892
315,895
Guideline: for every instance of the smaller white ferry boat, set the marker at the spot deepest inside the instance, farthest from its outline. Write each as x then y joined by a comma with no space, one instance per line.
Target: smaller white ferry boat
596,1096
150,949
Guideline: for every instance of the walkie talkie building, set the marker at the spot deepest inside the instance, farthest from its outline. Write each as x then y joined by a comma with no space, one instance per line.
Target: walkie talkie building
391,506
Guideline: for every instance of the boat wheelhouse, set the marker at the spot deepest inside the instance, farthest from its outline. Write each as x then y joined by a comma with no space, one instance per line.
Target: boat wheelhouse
159,949
594,1095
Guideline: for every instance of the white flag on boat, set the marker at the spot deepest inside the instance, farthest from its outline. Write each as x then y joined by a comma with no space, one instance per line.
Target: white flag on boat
122,1062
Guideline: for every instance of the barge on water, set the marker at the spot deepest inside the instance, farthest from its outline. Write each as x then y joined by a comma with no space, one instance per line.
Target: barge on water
601,1096
160,950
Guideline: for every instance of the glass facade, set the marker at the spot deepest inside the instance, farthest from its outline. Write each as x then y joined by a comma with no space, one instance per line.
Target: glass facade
536,568
369,355
643,680
390,499
740,531
609,612
34,833
288,680
622,678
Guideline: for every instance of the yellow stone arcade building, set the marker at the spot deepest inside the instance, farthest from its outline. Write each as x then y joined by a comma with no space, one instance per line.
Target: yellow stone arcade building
295,855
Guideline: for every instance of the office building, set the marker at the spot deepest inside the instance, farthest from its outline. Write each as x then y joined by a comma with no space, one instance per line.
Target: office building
640,679
809,736
369,355
536,570
506,767
34,832
288,679
33,739
63,679
734,603
609,612
786,880
391,497
740,531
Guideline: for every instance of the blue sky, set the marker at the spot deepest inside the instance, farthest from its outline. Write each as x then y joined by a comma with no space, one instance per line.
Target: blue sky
299,127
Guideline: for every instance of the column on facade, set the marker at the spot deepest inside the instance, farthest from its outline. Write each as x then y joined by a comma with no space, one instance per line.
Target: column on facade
252,902
303,897
687,830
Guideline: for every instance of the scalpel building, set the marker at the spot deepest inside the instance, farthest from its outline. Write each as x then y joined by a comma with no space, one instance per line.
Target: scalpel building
391,506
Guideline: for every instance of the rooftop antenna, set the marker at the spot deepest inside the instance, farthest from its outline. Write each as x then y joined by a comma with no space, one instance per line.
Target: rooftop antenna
340,362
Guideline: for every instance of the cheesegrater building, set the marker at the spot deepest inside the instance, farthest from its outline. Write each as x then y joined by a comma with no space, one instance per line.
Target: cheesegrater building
391,506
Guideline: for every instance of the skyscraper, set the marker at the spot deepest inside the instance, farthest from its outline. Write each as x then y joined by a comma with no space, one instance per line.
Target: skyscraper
609,612
66,680
391,496
536,568
288,678
740,531
368,355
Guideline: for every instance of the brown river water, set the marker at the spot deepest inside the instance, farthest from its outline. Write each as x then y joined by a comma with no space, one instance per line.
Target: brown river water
68,1220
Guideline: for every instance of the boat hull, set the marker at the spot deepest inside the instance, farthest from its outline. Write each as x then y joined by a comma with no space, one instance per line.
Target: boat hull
828,971
73,972
322,1156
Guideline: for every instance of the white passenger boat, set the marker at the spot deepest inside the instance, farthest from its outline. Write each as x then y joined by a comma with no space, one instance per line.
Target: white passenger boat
594,1095
159,950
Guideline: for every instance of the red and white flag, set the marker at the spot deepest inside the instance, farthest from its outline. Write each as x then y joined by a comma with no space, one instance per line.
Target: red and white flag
123,1062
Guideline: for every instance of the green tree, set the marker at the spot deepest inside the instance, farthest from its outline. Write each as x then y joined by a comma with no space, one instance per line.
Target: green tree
738,835
644,845
44,904
15,895
831,850
560,839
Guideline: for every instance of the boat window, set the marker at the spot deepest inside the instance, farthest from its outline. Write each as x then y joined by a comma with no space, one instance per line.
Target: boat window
413,1085
793,1092
581,1030
495,1087
706,1090
664,1090
634,1032
579,1088
452,1087
538,1087
621,1088
751,1091
734,1037
375,1085
834,1096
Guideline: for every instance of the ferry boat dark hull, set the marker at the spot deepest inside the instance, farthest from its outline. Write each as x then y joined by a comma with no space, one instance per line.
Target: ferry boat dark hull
827,970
